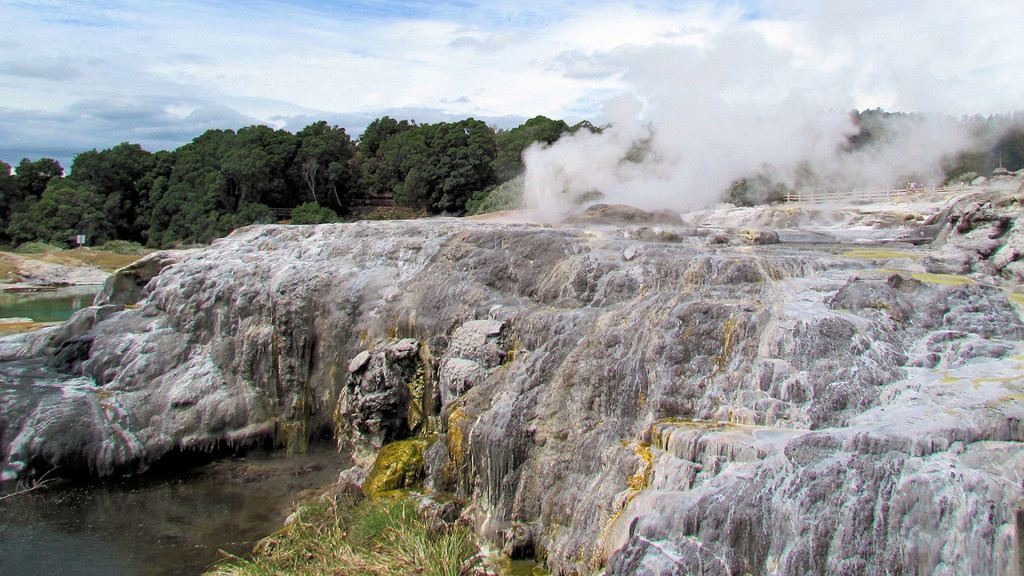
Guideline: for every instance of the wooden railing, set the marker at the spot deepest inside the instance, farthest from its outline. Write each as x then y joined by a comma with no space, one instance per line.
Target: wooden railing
378,201
374,201
864,196
281,213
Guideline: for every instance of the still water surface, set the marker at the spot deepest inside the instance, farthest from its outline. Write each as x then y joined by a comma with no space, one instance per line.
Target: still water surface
47,306
157,526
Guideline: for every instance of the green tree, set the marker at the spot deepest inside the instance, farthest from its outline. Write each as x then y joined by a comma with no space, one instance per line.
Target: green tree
1010,149
510,144
585,125
33,177
9,193
66,209
438,167
380,176
464,151
756,190
325,162
378,132
218,181
29,182
251,213
118,175
194,193
873,127
257,162
152,186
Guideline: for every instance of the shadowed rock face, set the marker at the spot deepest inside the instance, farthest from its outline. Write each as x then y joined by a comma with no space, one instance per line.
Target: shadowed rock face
604,398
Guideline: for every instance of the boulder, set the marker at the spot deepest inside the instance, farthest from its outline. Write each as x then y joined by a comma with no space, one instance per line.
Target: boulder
475,350
127,285
379,393
622,214
758,237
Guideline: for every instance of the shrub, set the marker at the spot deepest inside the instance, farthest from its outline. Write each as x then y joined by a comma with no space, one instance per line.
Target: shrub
124,247
760,189
508,196
313,213
36,248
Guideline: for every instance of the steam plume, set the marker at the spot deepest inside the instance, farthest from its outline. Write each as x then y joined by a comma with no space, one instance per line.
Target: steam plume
750,97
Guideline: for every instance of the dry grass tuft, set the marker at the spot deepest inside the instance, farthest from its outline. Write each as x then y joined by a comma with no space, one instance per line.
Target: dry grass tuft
8,328
382,537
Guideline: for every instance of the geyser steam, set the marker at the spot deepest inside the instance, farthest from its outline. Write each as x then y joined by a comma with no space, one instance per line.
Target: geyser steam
740,98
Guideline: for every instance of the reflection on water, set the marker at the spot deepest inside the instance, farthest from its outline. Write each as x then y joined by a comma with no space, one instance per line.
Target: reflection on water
47,306
157,526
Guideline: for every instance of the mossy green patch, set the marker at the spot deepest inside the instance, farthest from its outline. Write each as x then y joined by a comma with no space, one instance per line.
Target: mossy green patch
1005,380
1015,298
1007,399
727,330
398,465
879,254
944,279
522,568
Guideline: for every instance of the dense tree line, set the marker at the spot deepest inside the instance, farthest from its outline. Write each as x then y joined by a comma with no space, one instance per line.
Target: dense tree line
224,179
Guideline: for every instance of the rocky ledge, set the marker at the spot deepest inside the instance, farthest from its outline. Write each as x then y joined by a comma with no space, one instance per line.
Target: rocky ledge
641,398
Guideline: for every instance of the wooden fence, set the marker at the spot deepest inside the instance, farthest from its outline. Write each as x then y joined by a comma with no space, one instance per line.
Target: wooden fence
363,201
865,196
374,201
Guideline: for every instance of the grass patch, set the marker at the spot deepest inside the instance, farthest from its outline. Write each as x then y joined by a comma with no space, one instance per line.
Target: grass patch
8,271
378,537
8,328
106,261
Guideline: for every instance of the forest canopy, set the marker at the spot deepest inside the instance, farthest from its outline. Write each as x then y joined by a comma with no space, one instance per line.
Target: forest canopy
224,179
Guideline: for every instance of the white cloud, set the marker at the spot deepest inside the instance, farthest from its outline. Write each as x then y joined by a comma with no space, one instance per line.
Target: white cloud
273,60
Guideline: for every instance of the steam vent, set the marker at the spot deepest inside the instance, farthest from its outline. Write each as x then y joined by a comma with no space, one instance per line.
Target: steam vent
791,389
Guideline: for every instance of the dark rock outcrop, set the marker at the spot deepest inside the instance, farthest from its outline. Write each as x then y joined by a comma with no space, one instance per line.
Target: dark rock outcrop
128,285
622,214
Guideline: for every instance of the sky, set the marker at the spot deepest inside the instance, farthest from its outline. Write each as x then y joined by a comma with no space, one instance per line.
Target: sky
81,75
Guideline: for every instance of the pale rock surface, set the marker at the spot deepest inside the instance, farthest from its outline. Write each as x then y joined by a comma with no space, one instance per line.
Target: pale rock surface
604,400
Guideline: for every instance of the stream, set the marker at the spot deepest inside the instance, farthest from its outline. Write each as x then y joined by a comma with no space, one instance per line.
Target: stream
158,525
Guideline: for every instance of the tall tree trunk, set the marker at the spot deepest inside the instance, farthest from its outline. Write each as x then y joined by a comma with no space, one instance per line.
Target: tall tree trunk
310,168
